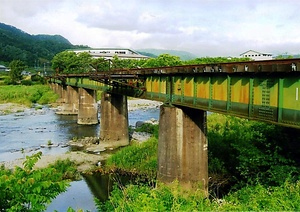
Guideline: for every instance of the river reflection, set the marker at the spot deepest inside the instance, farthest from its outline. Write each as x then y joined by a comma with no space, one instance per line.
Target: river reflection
83,192
77,196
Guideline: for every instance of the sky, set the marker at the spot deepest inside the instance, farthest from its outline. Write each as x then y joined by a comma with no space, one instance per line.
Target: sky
203,27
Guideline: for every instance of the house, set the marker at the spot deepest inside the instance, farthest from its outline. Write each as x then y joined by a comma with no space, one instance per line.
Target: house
109,53
3,68
254,55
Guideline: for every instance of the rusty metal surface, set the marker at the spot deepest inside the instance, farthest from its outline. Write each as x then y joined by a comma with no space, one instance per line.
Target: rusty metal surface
285,65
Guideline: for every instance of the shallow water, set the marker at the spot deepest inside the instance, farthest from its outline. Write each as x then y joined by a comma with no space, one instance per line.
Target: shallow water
23,134
77,196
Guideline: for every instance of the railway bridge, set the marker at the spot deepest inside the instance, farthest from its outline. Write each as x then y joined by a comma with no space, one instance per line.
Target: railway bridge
259,90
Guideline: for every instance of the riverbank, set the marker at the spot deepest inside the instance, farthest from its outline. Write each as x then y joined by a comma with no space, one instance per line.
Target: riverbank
144,104
85,161
8,108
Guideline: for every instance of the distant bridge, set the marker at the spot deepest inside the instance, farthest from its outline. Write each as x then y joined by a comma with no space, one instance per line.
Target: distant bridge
260,90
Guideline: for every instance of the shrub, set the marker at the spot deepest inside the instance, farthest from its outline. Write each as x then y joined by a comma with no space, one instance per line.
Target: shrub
26,82
28,189
162,198
251,151
139,157
149,128
259,198
68,168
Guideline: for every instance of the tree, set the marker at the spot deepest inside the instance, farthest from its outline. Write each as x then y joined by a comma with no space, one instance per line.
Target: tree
63,60
285,56
101,64
70,62
84,61
163,60
16,68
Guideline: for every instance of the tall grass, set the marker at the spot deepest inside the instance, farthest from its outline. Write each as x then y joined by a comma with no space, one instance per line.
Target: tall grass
260,198
27,95
141,157
173,198
163,198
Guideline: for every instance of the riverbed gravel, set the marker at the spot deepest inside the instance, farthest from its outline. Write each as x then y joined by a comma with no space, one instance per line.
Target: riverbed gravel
7,108
85,161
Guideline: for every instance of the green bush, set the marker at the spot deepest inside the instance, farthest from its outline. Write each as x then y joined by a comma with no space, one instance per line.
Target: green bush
259,198
173,198
7,81
139,157
38,79
28,189
68,168
251,151
26,82
149,128
162,198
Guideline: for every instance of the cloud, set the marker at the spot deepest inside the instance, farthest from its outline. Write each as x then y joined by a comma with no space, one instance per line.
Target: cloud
204,27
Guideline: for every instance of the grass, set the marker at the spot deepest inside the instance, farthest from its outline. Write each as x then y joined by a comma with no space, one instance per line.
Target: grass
139,157
27,95
173,198
68,168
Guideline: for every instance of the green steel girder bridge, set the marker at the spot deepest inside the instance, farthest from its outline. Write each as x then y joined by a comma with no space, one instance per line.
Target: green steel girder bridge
261,90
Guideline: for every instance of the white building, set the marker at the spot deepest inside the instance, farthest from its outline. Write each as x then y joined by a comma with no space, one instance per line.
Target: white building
254,55
109,53
3,68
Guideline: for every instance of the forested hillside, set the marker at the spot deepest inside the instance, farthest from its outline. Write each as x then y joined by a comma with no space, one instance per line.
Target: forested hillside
34,50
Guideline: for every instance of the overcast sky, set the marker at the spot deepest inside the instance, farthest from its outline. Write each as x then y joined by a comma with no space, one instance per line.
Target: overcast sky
202,27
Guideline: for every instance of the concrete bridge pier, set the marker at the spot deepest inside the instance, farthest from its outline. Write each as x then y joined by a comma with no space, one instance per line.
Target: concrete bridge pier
182,147
114,120
58,88
70,102
52,86
88,107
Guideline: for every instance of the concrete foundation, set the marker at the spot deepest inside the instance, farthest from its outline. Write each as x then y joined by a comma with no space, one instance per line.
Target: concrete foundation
88,107
70,103
114,120
182,147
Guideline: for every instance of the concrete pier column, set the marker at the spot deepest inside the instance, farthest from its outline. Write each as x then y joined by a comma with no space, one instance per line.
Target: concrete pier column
182,147
59,89
114,120
70,104
52,86
88,108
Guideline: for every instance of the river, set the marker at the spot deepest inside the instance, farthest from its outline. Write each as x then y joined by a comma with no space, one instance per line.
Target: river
23,133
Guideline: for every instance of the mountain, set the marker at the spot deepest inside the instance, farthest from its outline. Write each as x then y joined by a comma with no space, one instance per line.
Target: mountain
184,55
16,44
53,38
